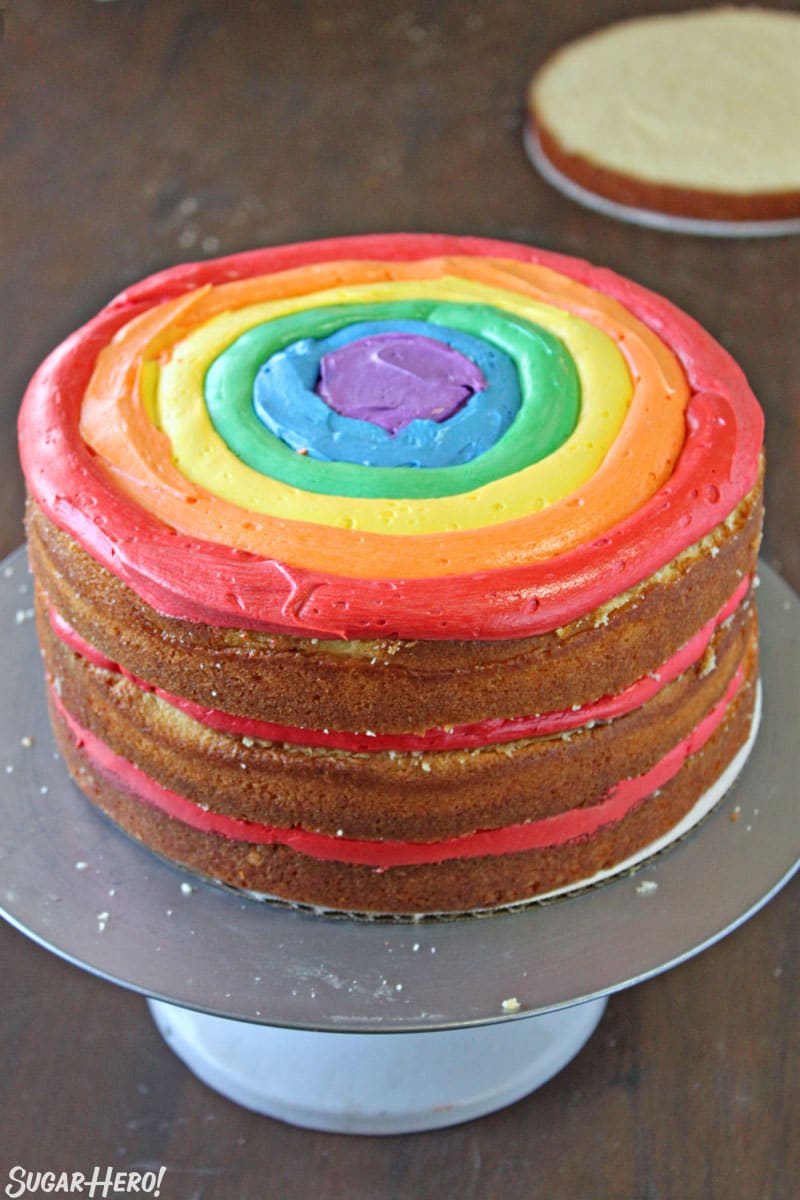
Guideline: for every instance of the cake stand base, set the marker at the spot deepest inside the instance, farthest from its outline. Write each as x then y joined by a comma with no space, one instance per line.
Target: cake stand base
376,1083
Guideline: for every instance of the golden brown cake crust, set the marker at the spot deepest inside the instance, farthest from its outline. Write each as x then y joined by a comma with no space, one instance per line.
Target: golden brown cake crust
406,686
398,686
451,886
383,795
662,197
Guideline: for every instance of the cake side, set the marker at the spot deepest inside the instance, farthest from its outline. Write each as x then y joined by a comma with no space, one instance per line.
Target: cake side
704,204
399,686
448,885
420,794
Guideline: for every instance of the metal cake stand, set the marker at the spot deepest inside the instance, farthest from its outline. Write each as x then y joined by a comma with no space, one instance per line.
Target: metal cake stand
376,1027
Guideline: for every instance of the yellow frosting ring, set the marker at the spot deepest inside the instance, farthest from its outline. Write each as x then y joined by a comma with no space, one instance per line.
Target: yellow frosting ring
202,456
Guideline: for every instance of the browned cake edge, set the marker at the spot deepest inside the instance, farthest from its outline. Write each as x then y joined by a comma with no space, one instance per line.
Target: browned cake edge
399,686
419,797
452,885
662,197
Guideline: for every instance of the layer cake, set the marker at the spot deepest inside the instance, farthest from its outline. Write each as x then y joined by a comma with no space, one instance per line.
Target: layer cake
396,574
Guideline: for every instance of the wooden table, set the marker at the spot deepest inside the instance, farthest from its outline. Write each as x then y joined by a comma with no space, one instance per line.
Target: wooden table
136,135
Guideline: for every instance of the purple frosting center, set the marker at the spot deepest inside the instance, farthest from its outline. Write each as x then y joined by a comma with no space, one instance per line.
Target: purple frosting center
392,379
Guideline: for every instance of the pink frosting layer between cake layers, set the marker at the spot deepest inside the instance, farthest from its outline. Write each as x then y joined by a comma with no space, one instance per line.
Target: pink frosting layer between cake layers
459,737
382,855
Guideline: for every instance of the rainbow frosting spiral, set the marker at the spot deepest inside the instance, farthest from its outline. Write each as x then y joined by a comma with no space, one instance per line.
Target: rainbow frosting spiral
403,436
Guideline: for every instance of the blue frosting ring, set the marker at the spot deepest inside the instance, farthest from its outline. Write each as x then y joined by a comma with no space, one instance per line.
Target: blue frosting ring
286,403
546,373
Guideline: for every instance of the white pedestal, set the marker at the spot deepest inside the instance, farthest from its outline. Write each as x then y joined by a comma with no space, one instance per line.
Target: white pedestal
376,1083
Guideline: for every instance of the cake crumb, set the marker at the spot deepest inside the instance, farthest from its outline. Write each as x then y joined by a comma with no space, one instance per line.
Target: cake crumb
646,887
708,662
26,742
511,1005
102,920
81,866
186,889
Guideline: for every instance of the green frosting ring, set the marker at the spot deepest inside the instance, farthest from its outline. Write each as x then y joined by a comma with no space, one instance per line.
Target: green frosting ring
549,384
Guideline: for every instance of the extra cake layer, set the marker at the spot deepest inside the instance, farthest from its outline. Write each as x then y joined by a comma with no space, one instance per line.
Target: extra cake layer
699,203
398,686
456,876
691,114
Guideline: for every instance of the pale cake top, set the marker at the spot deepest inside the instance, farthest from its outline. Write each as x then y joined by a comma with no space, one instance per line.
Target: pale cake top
706,100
